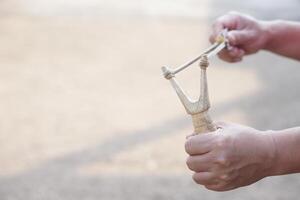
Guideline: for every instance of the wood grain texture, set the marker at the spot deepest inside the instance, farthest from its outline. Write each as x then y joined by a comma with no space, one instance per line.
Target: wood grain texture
203,123
198,109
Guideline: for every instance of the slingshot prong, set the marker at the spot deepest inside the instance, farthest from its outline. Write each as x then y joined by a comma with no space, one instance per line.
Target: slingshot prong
197,109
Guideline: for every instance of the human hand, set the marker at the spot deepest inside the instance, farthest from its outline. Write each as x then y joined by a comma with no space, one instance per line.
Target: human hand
231,157
246,35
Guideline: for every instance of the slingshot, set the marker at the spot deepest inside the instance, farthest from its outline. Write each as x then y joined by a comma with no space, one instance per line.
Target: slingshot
198,109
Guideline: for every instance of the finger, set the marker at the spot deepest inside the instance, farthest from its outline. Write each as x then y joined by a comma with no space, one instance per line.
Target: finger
224,55
205,178
216,30
214,187
231,54
235,52
237,37
219,187
199,163
212,38
228,21
199,144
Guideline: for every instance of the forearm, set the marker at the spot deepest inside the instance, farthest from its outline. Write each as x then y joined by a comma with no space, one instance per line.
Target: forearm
287,145
283,37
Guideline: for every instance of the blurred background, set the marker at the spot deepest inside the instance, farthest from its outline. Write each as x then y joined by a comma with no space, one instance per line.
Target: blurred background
85,113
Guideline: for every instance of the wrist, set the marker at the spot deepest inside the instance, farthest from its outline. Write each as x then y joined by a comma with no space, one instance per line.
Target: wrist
271,153
270,33
286,143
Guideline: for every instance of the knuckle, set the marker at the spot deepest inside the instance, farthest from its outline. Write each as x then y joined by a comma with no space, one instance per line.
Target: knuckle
189,162
223,141
188,146
196,178
222,161
225,178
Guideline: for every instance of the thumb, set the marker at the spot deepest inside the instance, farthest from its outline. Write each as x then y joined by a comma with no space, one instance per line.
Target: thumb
237,37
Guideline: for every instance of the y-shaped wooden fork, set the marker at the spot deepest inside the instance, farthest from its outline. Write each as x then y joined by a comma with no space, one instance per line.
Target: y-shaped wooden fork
198,109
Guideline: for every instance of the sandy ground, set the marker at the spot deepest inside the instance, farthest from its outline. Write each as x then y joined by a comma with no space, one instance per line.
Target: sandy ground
86,113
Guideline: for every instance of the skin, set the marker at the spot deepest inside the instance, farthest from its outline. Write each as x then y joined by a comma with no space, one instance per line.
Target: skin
236,155
248,35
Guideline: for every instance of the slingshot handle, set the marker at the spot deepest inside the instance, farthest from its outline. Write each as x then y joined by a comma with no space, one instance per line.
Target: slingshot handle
203,123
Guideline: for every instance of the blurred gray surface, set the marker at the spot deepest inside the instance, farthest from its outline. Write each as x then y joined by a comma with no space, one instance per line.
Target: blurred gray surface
86,113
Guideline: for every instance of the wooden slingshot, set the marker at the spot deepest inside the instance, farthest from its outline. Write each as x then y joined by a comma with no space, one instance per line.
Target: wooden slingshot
198,109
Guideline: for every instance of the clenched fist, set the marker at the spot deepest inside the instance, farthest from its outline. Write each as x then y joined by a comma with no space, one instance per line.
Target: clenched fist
231,157
246,35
